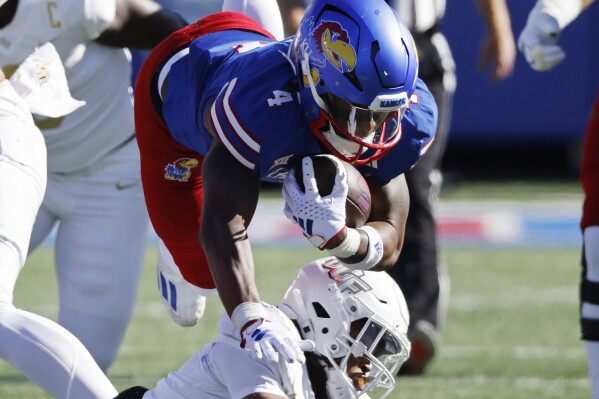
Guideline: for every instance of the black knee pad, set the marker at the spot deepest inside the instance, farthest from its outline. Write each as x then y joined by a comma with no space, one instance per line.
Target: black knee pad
132,393
589,293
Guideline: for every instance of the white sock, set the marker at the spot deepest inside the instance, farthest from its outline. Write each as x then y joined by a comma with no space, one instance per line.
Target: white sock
592,348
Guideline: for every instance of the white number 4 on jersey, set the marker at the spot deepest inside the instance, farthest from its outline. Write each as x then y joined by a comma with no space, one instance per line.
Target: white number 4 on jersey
281,97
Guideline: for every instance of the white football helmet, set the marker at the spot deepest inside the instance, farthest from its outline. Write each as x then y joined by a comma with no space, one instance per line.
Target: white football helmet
326,298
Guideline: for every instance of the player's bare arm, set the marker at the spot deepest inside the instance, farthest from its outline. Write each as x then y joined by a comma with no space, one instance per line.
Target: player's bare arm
499,48
230,198
388,215
140,24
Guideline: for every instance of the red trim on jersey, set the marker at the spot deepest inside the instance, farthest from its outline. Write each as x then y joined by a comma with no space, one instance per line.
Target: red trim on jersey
217,124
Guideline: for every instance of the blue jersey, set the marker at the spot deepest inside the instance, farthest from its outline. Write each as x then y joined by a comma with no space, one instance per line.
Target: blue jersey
247,83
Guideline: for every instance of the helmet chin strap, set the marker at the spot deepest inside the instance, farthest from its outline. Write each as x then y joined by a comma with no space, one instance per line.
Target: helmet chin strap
345,147
306,72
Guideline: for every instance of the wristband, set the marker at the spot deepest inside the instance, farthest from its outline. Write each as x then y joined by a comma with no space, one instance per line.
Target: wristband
245,312
349,246
374,254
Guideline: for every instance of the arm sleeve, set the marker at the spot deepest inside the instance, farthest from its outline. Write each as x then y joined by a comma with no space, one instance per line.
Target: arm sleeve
242,375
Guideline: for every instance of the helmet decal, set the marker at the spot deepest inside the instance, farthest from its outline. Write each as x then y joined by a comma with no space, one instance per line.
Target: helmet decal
334,43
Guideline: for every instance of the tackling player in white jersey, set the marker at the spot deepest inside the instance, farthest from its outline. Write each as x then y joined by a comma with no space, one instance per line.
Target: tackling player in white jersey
42,350
355,322
539,43
94,192
93,188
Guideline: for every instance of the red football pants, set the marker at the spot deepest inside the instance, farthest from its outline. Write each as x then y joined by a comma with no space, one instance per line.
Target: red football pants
589,172
175,205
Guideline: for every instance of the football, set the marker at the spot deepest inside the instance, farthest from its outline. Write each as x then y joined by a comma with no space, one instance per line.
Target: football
357,206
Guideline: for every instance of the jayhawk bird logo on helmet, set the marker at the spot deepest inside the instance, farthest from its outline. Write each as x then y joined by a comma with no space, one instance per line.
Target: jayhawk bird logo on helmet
334,43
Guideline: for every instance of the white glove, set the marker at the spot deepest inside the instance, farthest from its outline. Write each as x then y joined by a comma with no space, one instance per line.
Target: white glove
538,42
266,340
321,218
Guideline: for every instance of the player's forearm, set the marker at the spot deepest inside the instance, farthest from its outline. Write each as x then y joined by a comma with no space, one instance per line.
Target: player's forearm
386,225
496,16
140,24
229,255
292,12
230,198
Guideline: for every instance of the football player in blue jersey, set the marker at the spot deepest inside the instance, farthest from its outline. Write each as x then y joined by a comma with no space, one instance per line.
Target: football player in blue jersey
221,106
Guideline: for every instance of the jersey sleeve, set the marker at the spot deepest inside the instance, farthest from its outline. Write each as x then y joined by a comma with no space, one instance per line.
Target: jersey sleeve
227,116
97,16
254,120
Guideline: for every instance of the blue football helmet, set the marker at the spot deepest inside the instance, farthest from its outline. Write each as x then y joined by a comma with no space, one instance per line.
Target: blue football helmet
357,67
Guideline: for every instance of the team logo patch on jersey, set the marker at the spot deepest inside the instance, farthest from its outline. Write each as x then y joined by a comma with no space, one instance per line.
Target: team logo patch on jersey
180,170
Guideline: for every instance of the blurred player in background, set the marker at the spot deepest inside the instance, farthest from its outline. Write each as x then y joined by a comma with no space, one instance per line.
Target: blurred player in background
357,321
265,12
419,271
220,106
539,43
46,353
94,192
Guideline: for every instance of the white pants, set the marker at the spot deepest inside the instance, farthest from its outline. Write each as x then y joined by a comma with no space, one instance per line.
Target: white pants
265,12
42,350
100,245
22,185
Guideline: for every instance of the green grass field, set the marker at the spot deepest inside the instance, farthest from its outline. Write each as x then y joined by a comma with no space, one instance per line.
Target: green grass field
511,329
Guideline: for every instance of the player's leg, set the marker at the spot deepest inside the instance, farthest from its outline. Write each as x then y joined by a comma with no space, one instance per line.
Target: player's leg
173,191
265,12
132,393
589,292
185,302
43,351
172,180
419,272
99,249
50,356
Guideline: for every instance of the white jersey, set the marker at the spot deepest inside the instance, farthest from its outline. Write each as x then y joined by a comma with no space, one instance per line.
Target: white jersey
222,370
96,74
419,15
